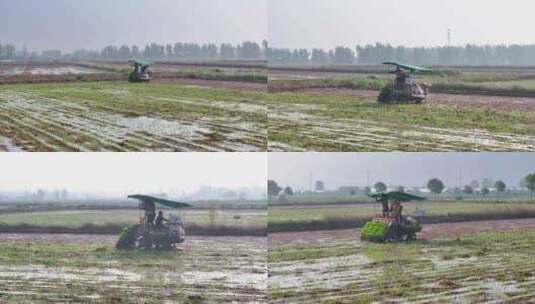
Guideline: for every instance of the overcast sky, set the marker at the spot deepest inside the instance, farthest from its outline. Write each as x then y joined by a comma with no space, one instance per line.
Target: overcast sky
73,24
407,169
325,24
117,173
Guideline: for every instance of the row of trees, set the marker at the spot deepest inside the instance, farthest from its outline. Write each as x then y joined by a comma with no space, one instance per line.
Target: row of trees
434,185
367,54
7,51
340,55
274,189
179,50
245,50
375,54
42,194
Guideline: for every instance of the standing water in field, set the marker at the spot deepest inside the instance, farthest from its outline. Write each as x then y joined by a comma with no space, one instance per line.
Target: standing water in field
45,70
6,145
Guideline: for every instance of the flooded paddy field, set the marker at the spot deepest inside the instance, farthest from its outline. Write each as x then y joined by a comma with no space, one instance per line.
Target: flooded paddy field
119,116
87,268
335,108
482,262
333,120
13,69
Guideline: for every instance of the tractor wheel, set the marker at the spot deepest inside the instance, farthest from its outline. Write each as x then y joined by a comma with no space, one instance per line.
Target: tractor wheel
127,238
165,245
145,241
163,240
390,235
386,95
132,77
395,234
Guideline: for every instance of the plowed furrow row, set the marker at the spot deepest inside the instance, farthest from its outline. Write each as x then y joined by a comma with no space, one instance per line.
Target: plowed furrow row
57,125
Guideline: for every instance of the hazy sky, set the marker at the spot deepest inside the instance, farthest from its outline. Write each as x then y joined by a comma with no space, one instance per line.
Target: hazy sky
116,173
408,169
325,24
73,24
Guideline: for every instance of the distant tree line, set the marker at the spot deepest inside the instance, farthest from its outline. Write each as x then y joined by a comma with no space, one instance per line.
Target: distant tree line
7,51
178,51
375,54
434,186
339,55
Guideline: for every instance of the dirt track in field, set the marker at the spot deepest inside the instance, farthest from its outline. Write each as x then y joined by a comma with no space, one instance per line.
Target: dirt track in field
300,75
233,85
448,230
429,232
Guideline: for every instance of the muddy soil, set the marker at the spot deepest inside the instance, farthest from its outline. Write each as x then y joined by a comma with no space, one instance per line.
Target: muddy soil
205,270
429,232
443,231
67,238
300,75
58,78
311,237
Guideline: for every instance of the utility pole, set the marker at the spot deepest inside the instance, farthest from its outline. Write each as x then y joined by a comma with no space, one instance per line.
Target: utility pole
449,37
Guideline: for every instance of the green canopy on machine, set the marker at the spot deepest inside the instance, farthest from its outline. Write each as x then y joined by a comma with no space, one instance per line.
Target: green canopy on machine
409,67
161,201
397,196
141,62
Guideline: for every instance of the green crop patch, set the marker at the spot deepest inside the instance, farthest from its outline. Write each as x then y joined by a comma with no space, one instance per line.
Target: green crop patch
374,231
